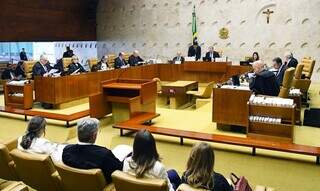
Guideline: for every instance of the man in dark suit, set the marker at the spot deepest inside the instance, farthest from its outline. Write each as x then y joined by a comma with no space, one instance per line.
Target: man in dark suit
102,65
280,69
23,55
195,50
264,82
42,67
19,71
134,59
178,59
8,73
211,55
68,53
290,61
87,155
75,67
120,62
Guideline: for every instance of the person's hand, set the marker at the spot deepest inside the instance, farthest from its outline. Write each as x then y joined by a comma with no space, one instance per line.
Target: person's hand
46,74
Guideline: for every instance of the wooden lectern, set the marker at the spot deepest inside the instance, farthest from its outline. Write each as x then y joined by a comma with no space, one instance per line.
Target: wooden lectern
124,98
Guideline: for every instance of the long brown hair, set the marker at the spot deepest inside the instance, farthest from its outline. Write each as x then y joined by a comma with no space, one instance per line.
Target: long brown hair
35,129
145,153
200,166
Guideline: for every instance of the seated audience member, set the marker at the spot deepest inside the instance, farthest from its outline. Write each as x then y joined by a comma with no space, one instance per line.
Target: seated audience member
264,82
211,55
200,171
68,53
255,57
87,155
280,69
102,65
134,59
9,72
34,142
195,50
145,161
289,60
120,62
178,59
75,67
42,67
19,71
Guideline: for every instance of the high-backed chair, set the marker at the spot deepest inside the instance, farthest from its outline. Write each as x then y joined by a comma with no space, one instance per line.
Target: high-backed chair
298,82
92,62
309,64
111,58
28,65
7,171
287,83
124,182
36,170
73,179
206,93
66,62
126,56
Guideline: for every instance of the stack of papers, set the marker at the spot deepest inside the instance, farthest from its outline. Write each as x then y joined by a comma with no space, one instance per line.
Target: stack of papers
295,92
235,87
263,119
18,83
271,101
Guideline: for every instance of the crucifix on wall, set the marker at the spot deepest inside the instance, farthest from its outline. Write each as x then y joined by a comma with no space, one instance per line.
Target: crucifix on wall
268,13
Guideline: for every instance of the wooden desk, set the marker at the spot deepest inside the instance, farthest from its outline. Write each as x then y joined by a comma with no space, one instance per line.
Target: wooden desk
124,98
177,92
69,88
25,101
229,106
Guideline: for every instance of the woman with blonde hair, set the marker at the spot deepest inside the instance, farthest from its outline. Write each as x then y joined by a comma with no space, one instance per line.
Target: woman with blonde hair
200,170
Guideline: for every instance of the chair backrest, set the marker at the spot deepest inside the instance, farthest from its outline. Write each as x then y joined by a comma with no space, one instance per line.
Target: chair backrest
28,65
73,179
66,62
309,64
36,170
298,72
124,182
92,62
7,171
187,187
126,56
287,83
208,90
111,58
16,186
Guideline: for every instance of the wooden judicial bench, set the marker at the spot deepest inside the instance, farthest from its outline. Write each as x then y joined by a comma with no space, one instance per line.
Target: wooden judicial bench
124,98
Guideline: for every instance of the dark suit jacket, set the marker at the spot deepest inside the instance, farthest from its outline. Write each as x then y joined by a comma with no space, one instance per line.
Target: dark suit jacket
133,60
194,52
280,74
68,54
23,56
19,71
38,70
265,83
118,63
292,63
73,67
97,67
176,59
208,57
6,74
90,157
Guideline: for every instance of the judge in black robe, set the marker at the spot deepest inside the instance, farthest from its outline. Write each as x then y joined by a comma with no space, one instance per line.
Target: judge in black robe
23,55
68,53
211,55
75,66
41,68
120,62
195,50
8,73
178,58
290,61
134,59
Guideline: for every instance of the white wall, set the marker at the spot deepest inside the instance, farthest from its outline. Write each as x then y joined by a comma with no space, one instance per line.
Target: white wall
161,28
44,48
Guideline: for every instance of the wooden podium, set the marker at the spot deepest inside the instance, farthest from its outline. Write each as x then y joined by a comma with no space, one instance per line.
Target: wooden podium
124,98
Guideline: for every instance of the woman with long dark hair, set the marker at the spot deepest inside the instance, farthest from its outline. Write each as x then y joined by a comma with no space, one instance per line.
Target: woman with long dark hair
33,140
145,161
200,170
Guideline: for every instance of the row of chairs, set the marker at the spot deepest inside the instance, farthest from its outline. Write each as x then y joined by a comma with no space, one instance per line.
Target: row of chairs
41,173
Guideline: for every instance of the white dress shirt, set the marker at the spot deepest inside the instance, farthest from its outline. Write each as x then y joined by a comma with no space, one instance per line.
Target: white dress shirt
157,172
44,146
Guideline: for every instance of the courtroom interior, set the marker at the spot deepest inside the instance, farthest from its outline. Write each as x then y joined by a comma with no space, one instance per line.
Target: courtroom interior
171,95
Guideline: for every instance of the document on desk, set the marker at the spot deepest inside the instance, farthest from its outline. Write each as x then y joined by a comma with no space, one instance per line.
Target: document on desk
235,87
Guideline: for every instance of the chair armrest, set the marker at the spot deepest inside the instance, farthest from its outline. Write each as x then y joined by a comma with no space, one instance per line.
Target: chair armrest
57,179
16,186
11,144
110,187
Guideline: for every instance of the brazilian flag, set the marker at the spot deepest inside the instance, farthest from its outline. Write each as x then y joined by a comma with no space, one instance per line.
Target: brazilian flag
194,24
